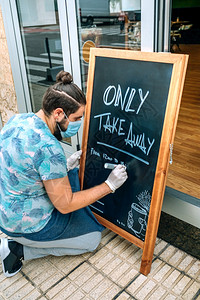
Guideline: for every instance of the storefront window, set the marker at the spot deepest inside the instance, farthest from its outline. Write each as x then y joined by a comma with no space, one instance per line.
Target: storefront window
107,23
40,32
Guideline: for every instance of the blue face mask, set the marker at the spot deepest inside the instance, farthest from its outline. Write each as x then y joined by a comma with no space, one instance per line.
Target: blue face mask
72,129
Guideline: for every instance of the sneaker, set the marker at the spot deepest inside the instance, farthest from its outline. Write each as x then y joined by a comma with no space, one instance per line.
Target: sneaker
11,264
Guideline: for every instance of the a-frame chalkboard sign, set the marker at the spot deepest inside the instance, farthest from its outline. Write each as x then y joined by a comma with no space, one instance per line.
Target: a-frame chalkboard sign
133,101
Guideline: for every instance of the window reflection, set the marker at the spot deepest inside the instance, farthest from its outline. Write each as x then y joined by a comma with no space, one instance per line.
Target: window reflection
107,23
40,33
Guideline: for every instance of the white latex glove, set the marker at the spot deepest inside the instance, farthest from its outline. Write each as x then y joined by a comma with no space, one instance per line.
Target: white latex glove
117,177
73,160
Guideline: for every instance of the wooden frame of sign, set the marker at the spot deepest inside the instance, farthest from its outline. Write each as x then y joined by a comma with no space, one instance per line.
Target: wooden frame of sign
179,65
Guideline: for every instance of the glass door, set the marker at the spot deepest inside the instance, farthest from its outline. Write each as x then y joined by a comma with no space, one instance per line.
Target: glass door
54,34
117,24
40,34
42,26
122,24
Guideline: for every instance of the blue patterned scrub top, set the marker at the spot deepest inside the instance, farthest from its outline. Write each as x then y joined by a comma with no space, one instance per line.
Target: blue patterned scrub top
29,154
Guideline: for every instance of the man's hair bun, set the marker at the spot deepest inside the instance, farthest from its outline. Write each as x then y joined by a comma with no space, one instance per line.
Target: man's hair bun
64,77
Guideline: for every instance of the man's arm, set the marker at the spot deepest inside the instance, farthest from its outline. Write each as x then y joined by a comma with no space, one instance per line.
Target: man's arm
60,192
61,196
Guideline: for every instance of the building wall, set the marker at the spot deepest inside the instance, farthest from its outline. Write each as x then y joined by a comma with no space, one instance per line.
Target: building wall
8,100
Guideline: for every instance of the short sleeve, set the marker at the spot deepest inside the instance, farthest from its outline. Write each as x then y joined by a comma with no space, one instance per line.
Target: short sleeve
50,162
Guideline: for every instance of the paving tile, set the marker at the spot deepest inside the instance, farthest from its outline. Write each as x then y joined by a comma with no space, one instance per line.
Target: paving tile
129,251
56,259
87,255
176,258
159,247
191,292
84,276
2,277
120,271
105,232
12,289
181,285
159,276
170,297
102,252
170,280
157,241
92,283
35,265
68,291
137,265
78,271
154,266
123,296
128,277
183,265
146,289
111,293
76,296
137,283
101,289
38,275
22,292
6,282
111,266
195,269
116,241
59,287
121,247
135,257
28,266
35,294
158,293
104,260
47,284
198,278
68,263
107,237
166,255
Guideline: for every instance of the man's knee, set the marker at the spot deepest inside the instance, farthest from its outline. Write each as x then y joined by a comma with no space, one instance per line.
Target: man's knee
94,241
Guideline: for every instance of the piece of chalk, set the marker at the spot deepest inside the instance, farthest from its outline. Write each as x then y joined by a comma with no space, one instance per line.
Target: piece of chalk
109,166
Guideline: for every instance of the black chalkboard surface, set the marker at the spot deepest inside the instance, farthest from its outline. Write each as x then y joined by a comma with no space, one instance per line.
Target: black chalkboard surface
127,101
127,114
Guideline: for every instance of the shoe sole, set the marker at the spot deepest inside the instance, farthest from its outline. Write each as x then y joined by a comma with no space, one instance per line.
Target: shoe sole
4,252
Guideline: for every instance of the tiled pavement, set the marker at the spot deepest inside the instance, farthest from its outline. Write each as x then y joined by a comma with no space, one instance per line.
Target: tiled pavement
111,272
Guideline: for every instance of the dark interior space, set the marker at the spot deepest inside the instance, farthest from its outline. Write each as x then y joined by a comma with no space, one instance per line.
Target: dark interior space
186,22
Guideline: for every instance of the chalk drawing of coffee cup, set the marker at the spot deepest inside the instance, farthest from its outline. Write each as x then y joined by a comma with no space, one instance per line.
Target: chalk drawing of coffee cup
137,219
143,224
